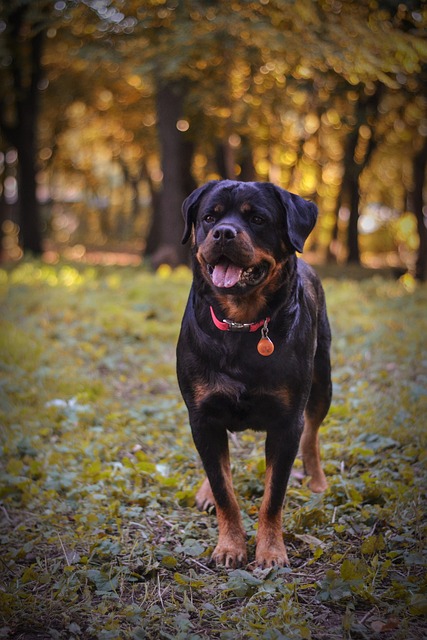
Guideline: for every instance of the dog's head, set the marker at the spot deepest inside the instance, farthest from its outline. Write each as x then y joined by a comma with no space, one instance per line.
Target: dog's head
244,230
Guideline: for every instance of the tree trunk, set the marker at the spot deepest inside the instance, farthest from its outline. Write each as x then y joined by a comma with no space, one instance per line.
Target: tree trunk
173,153
419,170
332,253
22,133
353,222
153,237
29,210
2,220
248,172
349,196
366,110
225,161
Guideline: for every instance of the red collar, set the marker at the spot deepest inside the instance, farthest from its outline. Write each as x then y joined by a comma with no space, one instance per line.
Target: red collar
229,325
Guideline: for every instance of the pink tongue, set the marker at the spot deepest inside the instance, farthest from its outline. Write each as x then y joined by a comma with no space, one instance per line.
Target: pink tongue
226,274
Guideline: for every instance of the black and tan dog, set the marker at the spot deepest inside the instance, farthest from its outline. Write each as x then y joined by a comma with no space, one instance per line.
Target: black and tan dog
253,350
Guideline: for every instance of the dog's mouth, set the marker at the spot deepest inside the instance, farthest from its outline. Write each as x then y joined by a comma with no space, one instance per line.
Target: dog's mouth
225,274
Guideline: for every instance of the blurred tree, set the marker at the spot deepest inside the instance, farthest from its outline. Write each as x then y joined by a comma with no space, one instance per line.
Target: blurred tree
243,61
359,146
166,92
99,122
176,166
419,172
405,58
24,26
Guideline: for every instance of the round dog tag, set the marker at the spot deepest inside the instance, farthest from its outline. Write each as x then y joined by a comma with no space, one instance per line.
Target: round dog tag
265,347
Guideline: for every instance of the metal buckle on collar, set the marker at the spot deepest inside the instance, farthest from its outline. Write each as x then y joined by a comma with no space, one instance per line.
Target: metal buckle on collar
237,326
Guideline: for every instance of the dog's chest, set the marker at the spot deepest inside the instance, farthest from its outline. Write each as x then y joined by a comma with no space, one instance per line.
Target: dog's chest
251,397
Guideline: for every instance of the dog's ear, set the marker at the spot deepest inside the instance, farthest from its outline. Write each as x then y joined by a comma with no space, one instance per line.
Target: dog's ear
190,206
301,216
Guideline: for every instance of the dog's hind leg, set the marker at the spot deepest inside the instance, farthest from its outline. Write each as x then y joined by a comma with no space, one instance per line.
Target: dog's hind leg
317,407
310,451
204,498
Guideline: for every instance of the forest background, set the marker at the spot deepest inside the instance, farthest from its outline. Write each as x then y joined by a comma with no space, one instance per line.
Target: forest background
112,111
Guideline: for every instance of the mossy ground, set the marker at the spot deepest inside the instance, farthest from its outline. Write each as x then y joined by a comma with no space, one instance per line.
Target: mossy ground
100,537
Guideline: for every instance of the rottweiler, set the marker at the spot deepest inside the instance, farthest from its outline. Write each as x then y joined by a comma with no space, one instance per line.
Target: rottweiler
253,351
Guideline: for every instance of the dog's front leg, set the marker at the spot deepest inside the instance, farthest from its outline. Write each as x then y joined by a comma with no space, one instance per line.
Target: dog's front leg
212,445
281,448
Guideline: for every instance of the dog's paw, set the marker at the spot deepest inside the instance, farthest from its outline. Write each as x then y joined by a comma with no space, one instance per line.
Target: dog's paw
271,555
204,497
318,482
230,554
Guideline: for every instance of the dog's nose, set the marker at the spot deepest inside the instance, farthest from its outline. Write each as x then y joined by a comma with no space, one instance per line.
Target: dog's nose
224,233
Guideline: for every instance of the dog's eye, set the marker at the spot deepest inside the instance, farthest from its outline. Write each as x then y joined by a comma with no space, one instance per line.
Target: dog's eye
257,220
210,219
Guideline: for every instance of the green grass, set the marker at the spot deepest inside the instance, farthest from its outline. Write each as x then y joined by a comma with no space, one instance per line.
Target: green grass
100,537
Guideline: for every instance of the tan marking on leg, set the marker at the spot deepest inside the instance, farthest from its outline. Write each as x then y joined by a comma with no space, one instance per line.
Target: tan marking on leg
204,497
310,451
231,548
270,548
